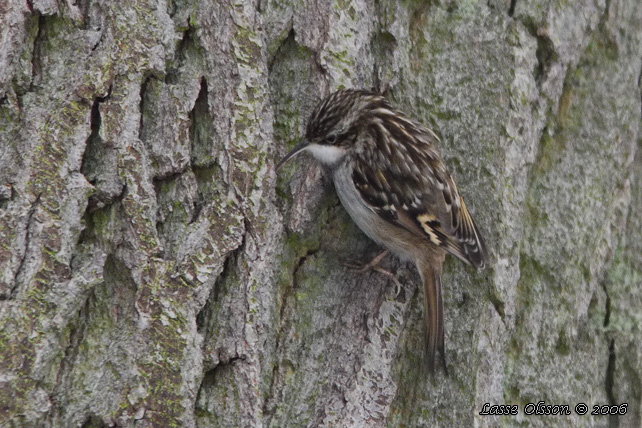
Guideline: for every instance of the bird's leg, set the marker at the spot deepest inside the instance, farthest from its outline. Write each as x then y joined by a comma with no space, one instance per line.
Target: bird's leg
374,265
392,277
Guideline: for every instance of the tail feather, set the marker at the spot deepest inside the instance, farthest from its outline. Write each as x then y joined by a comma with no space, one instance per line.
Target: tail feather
433,311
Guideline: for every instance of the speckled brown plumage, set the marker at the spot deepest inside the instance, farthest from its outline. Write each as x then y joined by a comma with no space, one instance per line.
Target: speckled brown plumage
391,179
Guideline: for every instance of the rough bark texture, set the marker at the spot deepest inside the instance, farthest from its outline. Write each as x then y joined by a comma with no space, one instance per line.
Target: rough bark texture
155,271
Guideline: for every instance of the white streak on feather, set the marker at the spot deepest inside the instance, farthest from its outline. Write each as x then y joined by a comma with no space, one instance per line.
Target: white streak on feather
382,110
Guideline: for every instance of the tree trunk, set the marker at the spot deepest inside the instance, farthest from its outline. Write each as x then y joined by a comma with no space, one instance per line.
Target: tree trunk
157,272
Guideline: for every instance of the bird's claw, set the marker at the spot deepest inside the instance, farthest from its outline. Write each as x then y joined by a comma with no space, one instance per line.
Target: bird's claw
374,265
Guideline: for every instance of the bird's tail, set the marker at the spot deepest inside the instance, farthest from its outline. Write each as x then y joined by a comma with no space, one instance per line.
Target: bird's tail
433,310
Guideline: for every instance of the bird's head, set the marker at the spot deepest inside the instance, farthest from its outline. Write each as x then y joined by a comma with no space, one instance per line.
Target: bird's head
333,125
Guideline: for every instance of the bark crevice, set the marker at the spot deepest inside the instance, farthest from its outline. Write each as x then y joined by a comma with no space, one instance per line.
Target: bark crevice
27,244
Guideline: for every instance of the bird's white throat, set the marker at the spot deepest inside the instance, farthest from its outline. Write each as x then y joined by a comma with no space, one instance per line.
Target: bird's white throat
327,155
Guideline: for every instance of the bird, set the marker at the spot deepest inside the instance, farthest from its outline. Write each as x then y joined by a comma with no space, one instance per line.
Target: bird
390,178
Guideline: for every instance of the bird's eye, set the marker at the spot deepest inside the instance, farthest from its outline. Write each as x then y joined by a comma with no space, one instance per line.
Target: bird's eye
330,139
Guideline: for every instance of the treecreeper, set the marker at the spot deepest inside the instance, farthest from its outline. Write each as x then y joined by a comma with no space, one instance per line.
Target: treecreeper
390,178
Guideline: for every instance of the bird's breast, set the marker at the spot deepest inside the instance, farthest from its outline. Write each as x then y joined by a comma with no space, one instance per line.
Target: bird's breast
378,229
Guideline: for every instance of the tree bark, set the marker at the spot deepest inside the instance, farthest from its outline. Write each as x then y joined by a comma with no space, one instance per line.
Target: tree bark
157,272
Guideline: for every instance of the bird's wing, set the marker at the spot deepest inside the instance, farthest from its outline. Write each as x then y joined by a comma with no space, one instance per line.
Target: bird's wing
405,182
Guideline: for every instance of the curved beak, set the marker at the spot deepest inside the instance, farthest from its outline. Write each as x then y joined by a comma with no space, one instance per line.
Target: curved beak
295,151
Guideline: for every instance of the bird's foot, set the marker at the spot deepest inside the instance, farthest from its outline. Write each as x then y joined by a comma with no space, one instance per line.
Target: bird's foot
371,265
374,265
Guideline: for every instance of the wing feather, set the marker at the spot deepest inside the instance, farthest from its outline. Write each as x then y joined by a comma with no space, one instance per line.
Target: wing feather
411,188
